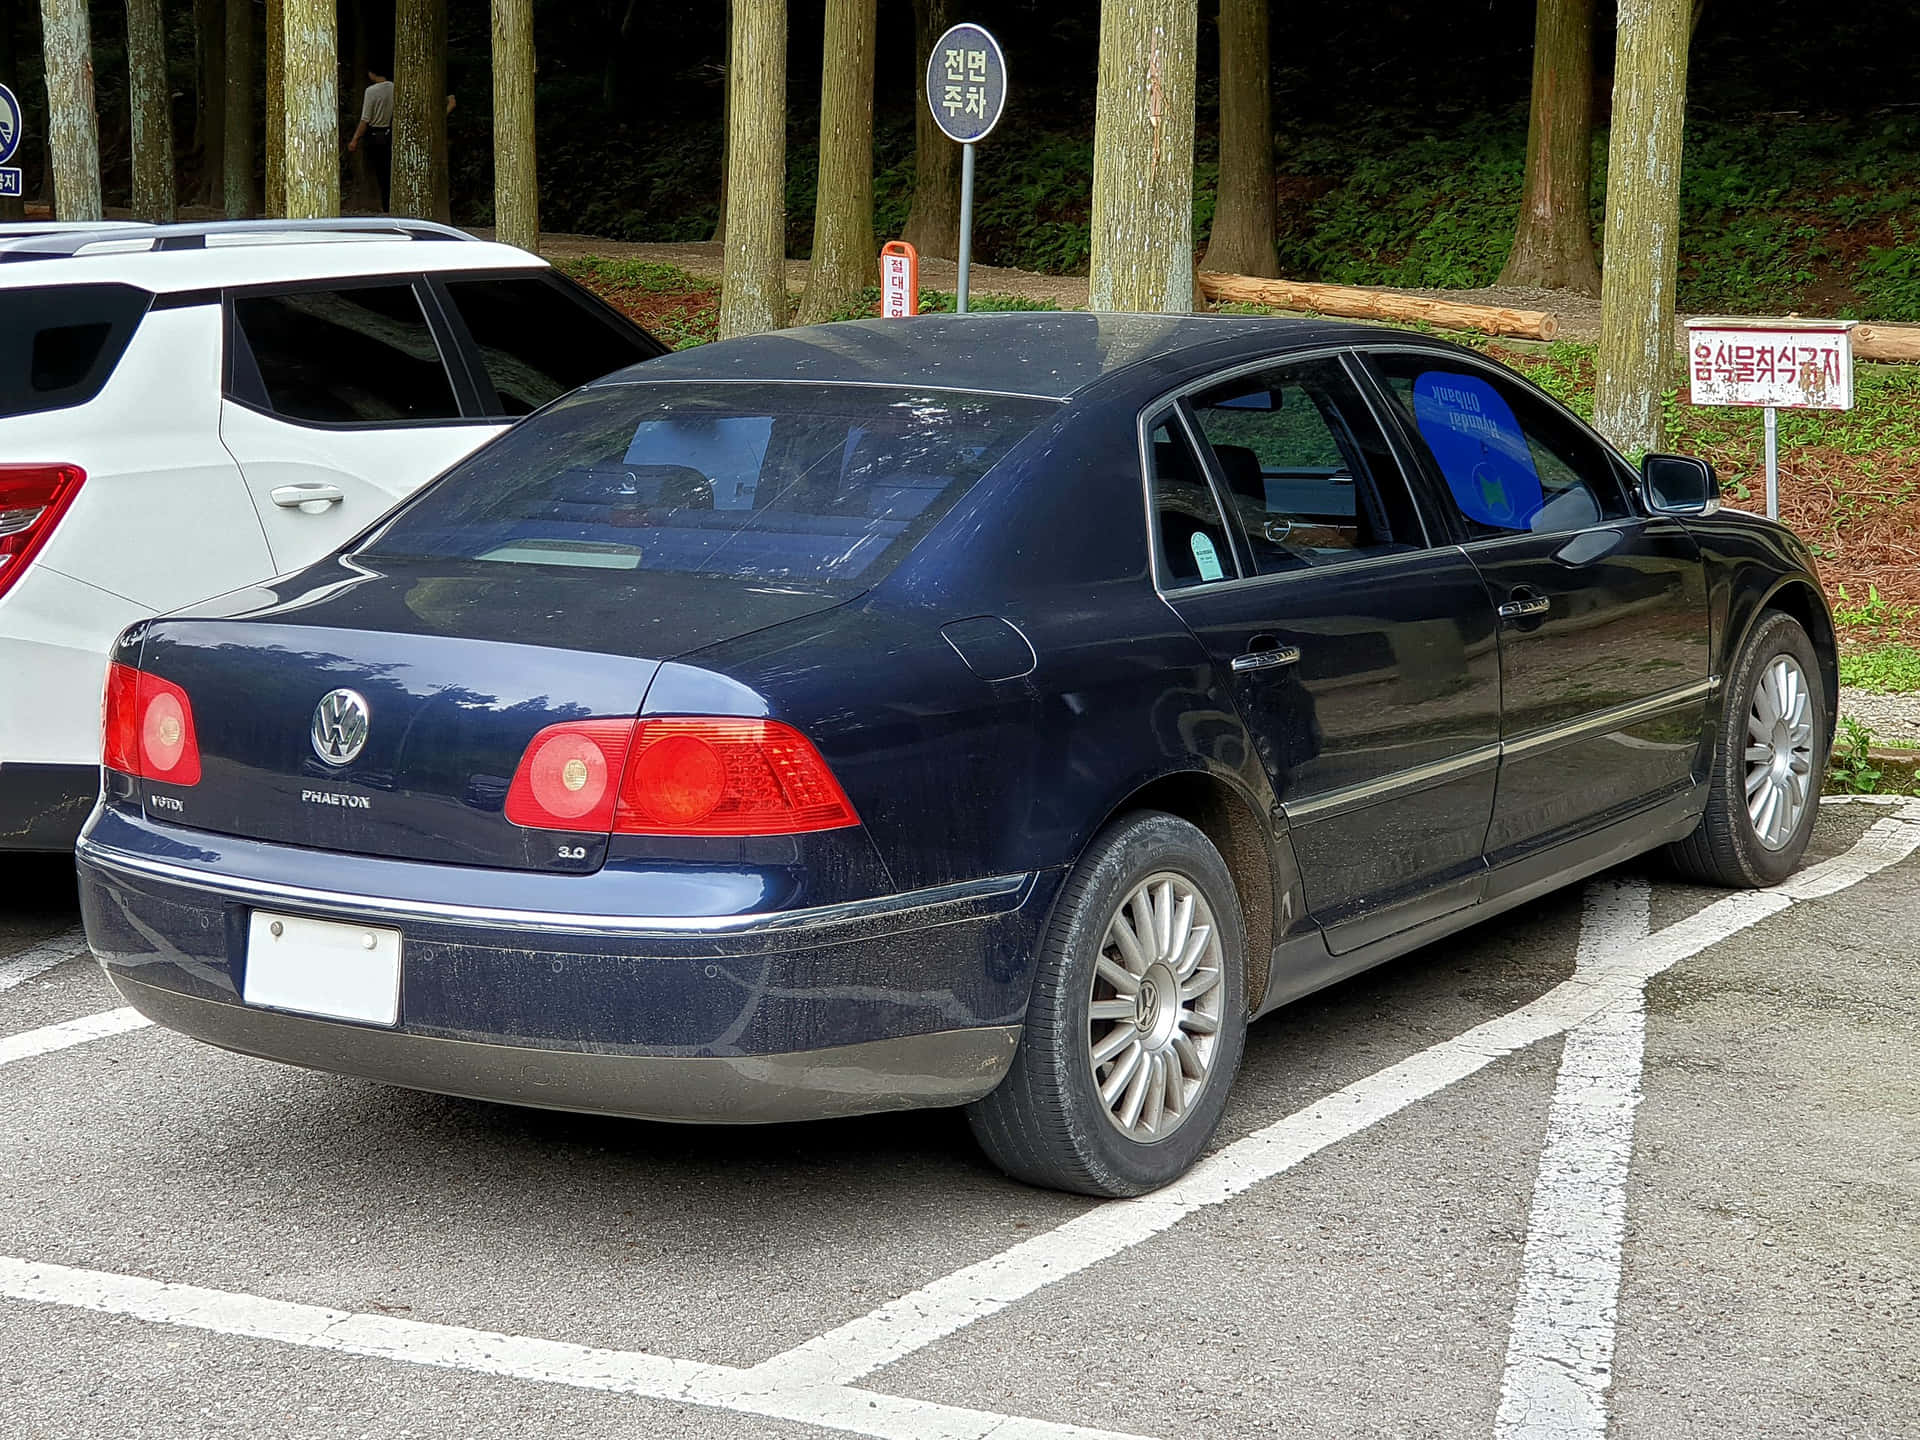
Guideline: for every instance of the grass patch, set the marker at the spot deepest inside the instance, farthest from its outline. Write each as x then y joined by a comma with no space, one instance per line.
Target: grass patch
677,308
1883,669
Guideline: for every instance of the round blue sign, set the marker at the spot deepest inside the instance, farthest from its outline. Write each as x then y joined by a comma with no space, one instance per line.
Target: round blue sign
966,83
9,124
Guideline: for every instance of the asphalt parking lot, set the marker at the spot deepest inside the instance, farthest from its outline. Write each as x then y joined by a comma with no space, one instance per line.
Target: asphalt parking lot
1640,1160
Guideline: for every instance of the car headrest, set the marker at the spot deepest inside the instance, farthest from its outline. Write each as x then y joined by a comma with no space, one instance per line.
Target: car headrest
1244,476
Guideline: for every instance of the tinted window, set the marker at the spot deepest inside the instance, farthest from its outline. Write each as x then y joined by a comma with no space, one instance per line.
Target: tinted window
1192,533
537,342
1306,468
785,483
59,344
363,355
1512,464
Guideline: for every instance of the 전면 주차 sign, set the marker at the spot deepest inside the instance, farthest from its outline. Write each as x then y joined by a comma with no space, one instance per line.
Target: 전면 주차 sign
1790,364
966,93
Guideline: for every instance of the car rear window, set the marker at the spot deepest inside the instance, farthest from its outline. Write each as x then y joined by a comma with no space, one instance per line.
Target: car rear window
60,343
802,484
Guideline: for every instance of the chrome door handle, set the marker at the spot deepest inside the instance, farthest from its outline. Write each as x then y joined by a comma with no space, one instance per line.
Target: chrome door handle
298,497
1522,609
1267,659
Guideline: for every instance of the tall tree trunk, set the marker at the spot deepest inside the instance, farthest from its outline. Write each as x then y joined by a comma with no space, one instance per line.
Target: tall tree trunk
1553,244
843,246
311,95
210,105
1242,238
73,133
276,109
753,294
1143,157
12,207
726,129
1643,221
420,109
238,166
933,224
516,183
150,100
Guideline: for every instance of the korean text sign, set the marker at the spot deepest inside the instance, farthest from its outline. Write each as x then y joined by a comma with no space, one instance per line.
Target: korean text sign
966,83
1782,364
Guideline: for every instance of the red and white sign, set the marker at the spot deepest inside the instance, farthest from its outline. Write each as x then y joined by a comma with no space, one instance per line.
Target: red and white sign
1780,364
899,280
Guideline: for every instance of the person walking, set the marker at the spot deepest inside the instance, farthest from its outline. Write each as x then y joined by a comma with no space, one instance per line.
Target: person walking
376,129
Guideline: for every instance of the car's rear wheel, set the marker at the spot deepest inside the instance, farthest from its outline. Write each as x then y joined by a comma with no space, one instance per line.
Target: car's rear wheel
1767,766
1137,1021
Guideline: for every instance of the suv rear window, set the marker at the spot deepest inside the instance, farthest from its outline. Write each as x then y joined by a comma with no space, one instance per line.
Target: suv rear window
59,343
537,342
800,484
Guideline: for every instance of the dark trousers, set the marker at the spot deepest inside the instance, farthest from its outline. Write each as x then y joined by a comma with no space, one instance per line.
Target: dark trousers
380,157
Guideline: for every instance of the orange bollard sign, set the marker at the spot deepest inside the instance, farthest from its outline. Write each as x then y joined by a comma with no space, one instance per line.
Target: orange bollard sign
899,280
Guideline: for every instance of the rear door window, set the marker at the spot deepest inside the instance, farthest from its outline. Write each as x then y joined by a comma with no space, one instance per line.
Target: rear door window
535,341
1306,468
59,344
357,355
1191,531
789,483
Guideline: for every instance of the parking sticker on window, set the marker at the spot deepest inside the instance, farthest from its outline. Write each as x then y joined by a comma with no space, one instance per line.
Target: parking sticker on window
1206,557
1480,448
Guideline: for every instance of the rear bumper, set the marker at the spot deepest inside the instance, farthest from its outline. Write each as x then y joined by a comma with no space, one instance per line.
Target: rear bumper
42,807
903,1001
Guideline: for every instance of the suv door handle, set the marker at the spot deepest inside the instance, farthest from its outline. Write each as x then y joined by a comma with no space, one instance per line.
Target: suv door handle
1524,607
298,497
1271,659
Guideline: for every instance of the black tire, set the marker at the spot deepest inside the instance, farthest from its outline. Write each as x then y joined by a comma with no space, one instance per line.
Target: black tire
1726,849
1047,1123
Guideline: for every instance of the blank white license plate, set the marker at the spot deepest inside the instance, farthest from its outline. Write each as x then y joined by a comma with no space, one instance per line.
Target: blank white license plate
319,967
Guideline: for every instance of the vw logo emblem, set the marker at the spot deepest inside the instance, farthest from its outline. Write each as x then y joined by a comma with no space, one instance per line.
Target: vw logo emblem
340,726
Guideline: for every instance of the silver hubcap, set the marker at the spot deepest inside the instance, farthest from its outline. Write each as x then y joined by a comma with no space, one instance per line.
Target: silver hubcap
1154,1017
1779,752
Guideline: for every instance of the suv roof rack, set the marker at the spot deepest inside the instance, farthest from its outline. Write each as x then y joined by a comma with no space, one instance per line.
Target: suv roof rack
123,239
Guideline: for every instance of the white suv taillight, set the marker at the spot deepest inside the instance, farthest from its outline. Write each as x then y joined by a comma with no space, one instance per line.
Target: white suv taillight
32,500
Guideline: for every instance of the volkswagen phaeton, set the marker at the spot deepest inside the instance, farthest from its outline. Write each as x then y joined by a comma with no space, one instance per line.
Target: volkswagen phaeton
996,711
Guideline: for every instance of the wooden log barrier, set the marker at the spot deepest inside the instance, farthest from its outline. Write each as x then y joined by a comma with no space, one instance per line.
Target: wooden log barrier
1350,302
1886,342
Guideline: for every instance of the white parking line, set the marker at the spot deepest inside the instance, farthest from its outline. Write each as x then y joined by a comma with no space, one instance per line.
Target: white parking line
913,1321
49,1038
1560,1346
485,1352
42,958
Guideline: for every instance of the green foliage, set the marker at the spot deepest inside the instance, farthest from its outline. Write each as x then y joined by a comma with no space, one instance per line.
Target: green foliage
1884,669
1889,281
1853,770
607,275
1884,621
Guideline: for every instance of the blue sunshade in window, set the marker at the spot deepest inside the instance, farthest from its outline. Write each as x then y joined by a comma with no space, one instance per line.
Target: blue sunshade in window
1480,448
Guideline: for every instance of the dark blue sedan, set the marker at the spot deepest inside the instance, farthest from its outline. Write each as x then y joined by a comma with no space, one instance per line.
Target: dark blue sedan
998,711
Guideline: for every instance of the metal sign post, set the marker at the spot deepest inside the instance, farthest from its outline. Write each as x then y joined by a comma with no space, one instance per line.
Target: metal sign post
967,93
10,125
1790,364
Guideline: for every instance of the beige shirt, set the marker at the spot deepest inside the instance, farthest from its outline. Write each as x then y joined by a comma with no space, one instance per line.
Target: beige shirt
377,109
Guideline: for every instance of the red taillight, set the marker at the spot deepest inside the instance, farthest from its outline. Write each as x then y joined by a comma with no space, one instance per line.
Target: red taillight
149,728
570,775
678,776
32,500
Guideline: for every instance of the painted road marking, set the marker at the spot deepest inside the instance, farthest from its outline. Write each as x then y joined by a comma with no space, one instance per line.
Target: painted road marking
67,1033
484,1352
43,957
936,1310
1560,1346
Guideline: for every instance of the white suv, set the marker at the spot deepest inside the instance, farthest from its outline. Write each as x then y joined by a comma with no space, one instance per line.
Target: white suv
188,409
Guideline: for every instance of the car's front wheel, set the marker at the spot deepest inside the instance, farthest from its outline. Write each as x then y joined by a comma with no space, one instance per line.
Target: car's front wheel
1768,764
1137,1020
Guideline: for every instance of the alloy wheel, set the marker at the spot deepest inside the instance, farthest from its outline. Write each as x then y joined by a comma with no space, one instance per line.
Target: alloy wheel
1154,1018
1779,754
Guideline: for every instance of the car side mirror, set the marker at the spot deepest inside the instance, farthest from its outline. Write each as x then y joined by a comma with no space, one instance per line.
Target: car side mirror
1679,485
